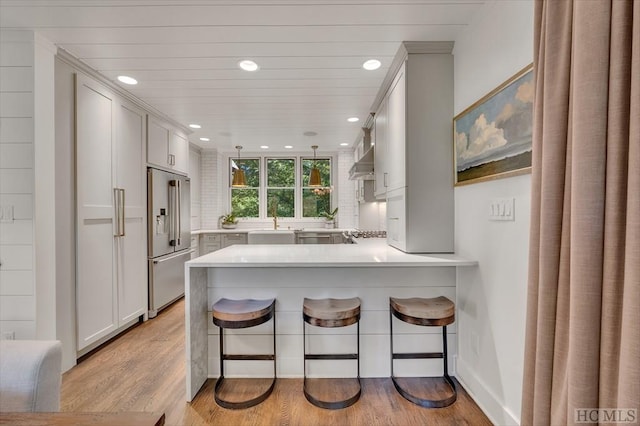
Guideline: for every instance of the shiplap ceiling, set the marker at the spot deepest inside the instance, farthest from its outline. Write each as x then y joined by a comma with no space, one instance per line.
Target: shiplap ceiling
185,56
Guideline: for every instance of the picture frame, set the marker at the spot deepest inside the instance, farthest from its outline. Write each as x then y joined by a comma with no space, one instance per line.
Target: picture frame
492,138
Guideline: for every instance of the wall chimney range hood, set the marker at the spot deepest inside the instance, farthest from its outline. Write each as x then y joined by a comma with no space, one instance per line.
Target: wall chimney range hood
363,168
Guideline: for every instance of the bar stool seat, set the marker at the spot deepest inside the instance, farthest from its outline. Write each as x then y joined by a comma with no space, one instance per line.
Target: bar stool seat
331,313
438,312
235,314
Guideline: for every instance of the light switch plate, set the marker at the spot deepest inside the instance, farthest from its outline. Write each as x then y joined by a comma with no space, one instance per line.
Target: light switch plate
6,213
502,209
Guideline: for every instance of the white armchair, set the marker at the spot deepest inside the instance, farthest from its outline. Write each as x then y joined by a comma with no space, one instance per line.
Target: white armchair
30,375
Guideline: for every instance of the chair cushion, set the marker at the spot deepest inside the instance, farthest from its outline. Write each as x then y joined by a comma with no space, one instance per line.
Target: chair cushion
30,375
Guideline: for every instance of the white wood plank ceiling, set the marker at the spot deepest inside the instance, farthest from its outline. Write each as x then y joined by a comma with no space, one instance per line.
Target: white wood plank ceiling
185,54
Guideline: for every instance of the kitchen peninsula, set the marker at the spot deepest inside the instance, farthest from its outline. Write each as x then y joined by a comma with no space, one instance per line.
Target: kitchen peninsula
370,270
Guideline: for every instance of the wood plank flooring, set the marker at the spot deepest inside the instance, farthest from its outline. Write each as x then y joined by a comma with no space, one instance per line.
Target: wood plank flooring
144,370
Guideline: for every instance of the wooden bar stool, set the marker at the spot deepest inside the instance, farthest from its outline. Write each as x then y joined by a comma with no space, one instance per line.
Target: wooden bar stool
435,312
331,313
243,314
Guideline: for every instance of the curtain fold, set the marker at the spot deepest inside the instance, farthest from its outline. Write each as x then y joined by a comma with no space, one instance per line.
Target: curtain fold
583,315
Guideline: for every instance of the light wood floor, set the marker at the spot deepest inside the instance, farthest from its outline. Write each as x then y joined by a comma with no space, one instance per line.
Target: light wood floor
144,370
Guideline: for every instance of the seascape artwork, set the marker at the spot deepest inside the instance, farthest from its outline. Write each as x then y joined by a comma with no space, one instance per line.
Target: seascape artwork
493,137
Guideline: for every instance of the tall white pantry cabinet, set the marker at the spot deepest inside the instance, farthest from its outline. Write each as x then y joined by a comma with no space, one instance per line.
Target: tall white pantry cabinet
414,148
111,281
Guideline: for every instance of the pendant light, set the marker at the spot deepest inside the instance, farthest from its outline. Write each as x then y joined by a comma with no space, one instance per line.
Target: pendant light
314,176
239,180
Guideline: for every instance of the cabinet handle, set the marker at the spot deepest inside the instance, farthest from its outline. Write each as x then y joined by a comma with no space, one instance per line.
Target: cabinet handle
385,179
118,205
394,218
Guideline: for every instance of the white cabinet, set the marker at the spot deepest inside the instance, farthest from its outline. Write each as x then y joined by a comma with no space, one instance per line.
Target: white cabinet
379,138
111,291
167,147
211,242
235,238
396,139
414,121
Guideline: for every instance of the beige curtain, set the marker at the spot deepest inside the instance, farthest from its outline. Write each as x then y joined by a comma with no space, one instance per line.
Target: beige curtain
583,315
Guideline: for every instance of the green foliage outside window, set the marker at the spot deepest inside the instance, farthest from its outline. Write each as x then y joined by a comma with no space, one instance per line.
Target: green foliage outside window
281,187
316,200
281,182
245,202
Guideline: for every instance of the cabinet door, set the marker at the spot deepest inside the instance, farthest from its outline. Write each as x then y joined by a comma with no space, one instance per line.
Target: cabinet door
179,152
231,239
158,139
130,175
96,298
380,168
396,133
396,219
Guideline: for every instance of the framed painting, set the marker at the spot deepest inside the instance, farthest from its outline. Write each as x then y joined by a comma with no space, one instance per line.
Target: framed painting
492,138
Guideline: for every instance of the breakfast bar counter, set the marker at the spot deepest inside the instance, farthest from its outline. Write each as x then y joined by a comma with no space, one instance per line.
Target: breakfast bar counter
370,270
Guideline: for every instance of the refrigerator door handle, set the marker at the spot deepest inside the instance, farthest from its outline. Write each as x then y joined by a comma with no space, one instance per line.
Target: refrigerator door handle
122,204
172,213
178,211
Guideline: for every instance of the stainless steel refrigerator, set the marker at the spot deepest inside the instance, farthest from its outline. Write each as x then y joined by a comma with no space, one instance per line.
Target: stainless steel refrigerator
169,241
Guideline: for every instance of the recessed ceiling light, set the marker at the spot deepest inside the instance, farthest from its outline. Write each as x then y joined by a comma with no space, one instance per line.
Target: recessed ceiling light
264,146
353,119
195,126
371,64
288,147
248,65
225,134
344,144
205,139
127,80
309,133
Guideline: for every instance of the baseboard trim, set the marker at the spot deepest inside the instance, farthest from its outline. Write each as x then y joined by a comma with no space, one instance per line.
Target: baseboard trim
488,402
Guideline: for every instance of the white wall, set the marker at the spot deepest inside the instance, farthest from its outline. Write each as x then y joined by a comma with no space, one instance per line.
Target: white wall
17,275
492,297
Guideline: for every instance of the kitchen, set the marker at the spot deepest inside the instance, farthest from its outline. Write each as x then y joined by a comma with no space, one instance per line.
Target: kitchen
491,299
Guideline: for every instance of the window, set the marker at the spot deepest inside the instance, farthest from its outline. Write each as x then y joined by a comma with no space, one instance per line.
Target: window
282,183
281,186
316,200
245,202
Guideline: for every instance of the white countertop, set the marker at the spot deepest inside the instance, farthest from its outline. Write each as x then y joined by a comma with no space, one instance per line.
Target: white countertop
368,252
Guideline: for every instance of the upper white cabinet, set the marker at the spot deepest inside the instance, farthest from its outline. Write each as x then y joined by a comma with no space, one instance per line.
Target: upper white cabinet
414,138
379,138
167,147
111,290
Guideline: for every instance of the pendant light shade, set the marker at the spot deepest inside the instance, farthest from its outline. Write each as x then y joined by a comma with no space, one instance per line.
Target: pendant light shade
239,180
314,176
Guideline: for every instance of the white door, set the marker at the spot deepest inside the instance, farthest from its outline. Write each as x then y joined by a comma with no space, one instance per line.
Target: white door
179,152
130,175
396,136
96,298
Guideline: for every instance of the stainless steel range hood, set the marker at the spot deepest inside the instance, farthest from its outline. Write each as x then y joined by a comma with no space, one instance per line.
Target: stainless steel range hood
363,168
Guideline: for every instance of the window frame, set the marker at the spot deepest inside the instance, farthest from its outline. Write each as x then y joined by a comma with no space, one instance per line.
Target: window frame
262,190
